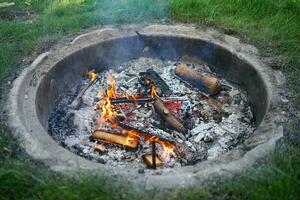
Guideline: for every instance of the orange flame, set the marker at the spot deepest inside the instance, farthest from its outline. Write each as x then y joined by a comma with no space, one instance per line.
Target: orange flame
168,147
109,113
92,75
153,92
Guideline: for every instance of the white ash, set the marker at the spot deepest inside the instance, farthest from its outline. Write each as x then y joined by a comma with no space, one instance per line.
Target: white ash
212,132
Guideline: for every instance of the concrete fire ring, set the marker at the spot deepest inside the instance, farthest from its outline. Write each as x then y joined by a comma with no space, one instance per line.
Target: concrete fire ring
28,117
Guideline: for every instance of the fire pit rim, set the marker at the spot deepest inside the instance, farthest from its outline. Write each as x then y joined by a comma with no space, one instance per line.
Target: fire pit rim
188,175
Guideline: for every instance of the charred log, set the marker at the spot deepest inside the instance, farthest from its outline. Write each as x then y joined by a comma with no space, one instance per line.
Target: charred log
151,77
207,84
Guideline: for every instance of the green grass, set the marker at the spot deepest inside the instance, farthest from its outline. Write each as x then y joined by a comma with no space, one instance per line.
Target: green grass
54,19
269,24
277,177
19,182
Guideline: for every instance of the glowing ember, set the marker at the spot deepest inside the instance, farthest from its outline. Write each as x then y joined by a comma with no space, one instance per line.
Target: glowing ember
173,106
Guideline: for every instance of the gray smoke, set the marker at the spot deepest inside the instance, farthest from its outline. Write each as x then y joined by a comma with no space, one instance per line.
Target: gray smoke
122,11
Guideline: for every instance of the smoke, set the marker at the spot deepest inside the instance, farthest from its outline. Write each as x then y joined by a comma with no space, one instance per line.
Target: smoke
125,11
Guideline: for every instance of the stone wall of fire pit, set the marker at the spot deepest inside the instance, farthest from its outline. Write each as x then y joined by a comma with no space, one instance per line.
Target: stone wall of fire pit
35,93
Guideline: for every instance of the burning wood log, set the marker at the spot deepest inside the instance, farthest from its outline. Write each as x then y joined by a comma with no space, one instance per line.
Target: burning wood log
147,135
150,77
207,84
168,116
118,139
149,161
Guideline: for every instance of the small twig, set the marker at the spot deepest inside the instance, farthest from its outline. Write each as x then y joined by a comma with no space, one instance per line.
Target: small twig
125,100
78,100
145,100
153,155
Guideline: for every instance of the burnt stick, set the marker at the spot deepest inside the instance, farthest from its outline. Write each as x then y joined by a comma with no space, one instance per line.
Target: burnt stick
126,100
78,100
144,100
153,155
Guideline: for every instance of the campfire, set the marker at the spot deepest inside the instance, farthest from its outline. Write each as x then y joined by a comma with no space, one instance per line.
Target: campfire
152,113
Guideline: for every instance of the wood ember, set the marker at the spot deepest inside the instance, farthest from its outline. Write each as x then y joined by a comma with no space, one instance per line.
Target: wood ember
149,161
119,139
207,84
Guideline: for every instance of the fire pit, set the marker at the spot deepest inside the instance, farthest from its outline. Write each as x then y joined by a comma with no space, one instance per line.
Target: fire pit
186,102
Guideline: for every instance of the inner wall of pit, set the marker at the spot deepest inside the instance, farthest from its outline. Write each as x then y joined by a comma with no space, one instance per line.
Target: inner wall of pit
69,71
